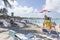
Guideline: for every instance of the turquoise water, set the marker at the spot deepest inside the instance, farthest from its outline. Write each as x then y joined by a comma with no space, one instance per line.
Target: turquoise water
57,21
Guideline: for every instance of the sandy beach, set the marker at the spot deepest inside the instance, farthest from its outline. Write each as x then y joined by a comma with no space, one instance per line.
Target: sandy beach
4,31
4,34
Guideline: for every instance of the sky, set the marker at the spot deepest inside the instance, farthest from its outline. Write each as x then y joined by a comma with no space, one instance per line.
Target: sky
32,8
32,3
29,8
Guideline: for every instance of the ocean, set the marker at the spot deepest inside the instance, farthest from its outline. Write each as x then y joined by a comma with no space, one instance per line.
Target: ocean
39,22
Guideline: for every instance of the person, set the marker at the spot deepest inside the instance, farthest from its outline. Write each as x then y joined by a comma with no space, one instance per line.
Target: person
12,22
47,23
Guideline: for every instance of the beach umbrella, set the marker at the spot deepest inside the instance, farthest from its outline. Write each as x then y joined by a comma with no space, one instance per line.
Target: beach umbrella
45,11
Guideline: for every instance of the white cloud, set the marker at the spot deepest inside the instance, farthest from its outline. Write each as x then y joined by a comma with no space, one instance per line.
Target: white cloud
23,10
1,4
20,9
17,9
53,5
13,3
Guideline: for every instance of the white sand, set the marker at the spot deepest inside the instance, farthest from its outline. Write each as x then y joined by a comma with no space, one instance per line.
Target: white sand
4,35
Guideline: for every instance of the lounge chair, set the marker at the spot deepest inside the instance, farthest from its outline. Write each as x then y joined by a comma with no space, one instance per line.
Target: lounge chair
59,34
1,24
21,36
54,33
29,36
45,31
12,33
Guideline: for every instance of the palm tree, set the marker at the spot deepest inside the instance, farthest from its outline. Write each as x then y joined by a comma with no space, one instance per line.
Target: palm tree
3,11
0,10
7,3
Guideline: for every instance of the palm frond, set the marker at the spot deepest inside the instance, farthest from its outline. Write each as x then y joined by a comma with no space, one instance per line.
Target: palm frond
7,3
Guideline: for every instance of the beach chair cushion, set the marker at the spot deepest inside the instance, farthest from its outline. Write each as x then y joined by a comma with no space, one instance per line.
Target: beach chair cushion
1,24
45,30
29,36
12,33
53,32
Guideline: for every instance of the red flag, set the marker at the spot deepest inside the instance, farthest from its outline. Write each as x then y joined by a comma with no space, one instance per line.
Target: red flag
44,11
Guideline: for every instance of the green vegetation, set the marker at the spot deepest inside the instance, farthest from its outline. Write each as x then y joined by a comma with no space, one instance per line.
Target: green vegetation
3,11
